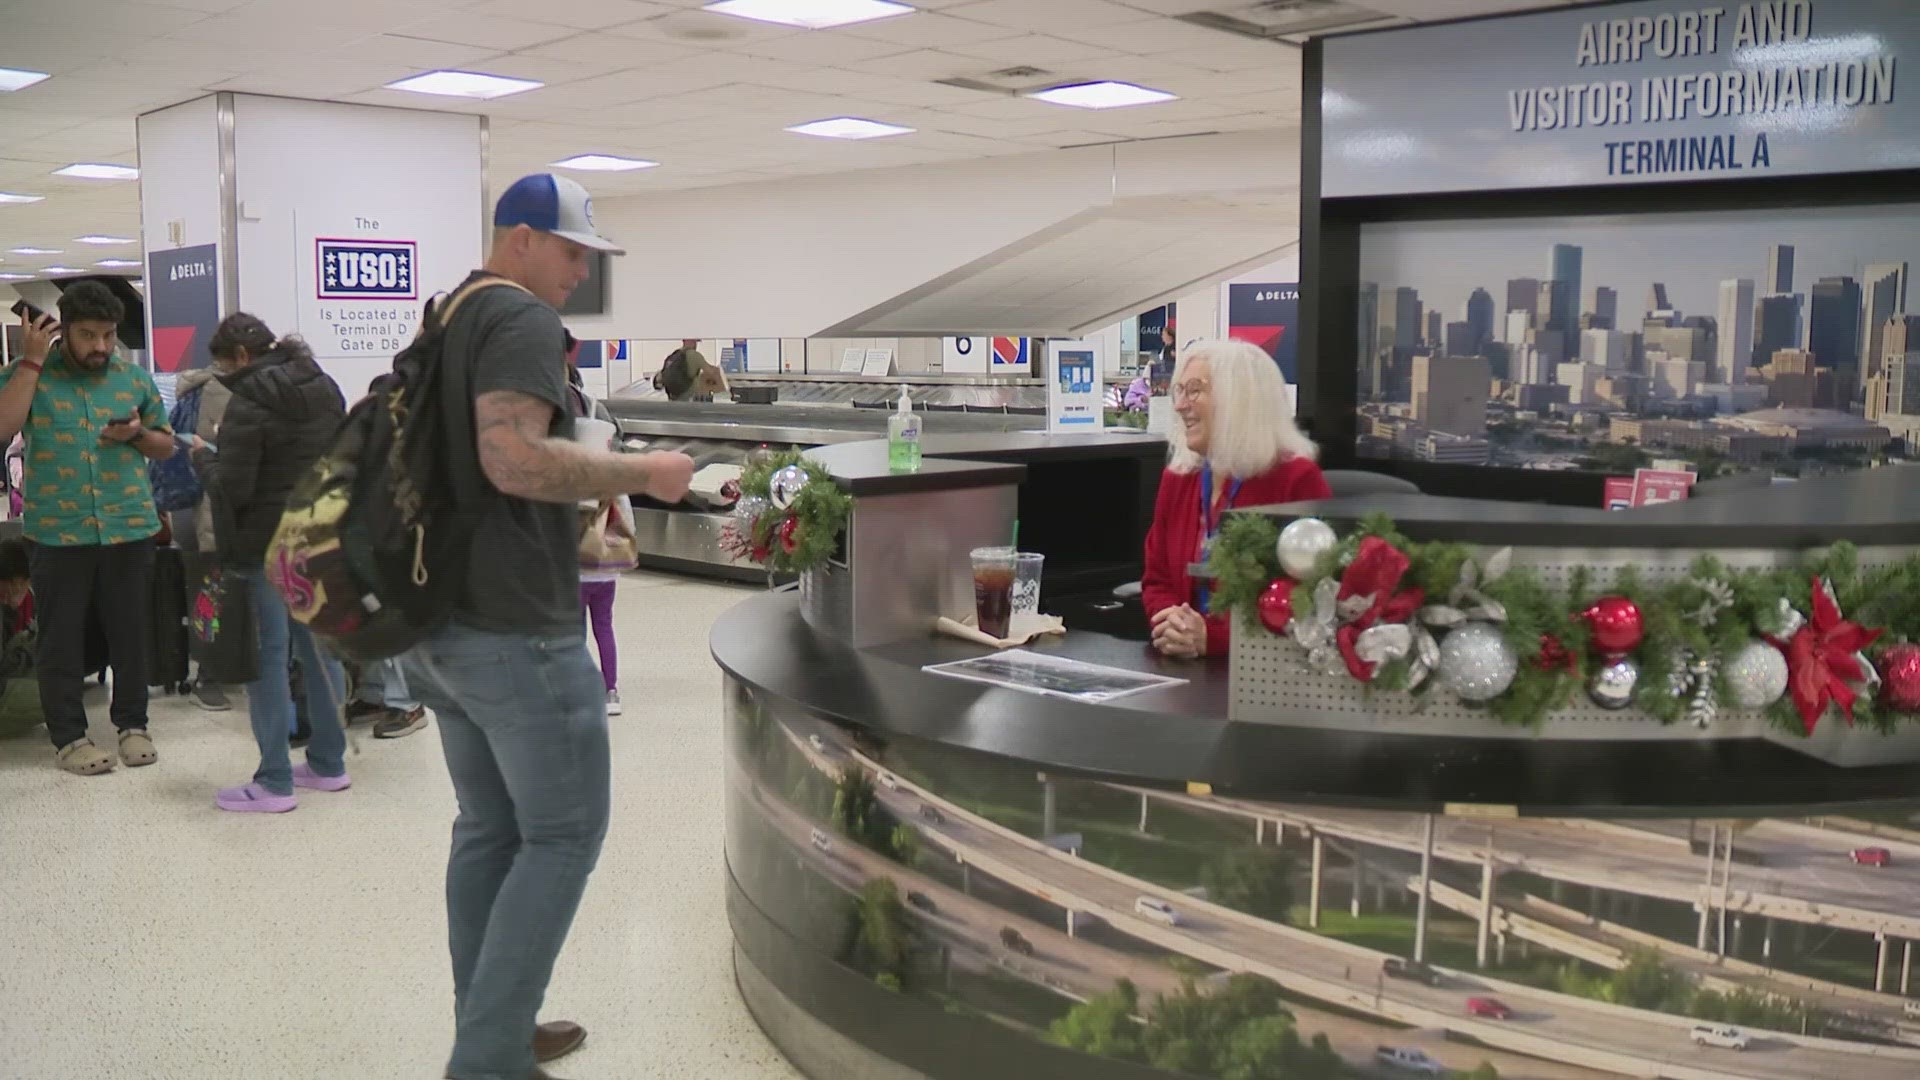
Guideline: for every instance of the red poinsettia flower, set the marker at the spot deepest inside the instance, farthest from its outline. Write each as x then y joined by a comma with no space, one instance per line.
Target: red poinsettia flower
1375,570
1822,660
1387,610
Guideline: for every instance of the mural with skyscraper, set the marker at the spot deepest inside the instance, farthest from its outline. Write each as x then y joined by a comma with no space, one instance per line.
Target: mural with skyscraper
1717,341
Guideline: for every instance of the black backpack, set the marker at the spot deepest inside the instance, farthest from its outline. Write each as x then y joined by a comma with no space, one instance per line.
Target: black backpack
675,378
373,546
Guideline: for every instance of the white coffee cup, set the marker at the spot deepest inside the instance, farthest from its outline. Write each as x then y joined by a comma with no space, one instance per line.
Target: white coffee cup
597,434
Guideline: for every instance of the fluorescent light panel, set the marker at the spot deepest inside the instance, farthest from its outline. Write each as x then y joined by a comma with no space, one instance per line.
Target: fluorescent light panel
103,241
849,127
7,197
62,270
811,14
95,170
117,264
35,251
12,79
604,163
1103,95
465,84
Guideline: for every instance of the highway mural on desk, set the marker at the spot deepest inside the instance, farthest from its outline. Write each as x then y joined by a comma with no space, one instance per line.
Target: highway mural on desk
1214,937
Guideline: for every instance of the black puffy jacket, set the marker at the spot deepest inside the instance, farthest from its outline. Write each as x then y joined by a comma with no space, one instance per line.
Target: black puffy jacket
284,414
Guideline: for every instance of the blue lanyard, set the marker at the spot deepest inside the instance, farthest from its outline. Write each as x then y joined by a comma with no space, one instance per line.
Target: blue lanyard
1209,524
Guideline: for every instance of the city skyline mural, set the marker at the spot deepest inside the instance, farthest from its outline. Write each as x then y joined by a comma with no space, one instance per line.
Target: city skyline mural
1717,341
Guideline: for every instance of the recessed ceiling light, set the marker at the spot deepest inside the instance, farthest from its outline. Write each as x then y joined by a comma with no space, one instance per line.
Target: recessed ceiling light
1102,95
62,270
604,163
811,14
10,197
118,264
465,84
94,170
103,241
849,127
35,251
19,79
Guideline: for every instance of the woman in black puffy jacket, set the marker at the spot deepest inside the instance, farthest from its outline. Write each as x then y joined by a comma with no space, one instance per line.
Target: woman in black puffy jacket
283,415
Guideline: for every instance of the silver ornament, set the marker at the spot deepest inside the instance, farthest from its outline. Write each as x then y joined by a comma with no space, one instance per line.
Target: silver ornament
1476,663
1302,543
749,508
786,485
1756,675
1613,684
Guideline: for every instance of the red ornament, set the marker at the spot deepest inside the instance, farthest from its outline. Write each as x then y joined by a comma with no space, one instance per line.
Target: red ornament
1616,623
1375,571
788,529
1823,657
1900,677
1276,605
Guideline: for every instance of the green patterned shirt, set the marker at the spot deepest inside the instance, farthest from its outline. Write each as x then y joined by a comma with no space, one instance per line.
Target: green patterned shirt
78,490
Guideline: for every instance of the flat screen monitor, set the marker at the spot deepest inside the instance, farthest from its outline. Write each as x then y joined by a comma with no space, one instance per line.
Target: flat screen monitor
590,298
1718,341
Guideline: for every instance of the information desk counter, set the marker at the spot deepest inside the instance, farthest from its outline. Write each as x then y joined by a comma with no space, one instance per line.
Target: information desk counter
942,878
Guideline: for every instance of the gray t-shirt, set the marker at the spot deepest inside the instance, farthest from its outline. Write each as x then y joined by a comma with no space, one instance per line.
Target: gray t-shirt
524,572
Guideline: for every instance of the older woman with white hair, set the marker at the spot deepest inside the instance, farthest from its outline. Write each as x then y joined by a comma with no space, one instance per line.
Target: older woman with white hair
1235,445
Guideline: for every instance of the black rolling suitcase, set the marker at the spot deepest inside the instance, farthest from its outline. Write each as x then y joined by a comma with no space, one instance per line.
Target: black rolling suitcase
167,633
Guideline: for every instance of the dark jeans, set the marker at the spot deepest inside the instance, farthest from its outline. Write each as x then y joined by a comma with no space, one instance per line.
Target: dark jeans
116,581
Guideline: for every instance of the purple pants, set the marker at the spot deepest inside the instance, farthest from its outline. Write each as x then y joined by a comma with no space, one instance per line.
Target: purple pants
597,598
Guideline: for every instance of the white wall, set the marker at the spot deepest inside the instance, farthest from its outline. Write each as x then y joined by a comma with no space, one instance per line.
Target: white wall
302,164
793,257
180,180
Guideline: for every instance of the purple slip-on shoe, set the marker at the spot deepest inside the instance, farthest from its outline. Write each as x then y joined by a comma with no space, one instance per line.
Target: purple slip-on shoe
253,799
304,776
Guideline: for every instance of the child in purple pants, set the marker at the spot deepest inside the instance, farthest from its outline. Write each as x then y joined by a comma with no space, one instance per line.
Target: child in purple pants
596,595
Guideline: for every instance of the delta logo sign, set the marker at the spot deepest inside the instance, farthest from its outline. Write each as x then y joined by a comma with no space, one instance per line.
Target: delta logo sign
366,269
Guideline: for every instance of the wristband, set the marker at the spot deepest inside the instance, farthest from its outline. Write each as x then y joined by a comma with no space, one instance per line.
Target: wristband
33,367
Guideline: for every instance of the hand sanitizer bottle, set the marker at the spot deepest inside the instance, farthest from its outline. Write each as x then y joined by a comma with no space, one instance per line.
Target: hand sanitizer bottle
903,438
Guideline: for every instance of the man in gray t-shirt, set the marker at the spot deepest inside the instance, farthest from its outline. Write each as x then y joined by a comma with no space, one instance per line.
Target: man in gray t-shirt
521,708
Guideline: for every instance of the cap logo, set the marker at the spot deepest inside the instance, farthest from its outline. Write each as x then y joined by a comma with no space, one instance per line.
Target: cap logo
589,209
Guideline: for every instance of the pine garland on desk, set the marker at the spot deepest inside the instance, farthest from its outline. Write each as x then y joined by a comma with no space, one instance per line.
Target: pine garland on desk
790,516
1804,644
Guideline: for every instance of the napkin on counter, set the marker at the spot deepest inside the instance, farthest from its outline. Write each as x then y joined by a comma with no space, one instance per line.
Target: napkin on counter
708,481
1020,630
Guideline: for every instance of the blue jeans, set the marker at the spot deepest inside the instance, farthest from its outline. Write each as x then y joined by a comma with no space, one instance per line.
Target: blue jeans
384,682
523,724
270,699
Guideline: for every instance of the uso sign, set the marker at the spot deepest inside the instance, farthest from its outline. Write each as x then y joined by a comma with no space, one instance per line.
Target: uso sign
365,269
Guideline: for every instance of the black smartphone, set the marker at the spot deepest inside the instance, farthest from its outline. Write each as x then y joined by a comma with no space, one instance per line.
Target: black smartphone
24,310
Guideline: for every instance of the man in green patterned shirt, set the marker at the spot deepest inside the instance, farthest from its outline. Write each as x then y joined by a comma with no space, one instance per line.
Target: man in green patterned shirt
92,420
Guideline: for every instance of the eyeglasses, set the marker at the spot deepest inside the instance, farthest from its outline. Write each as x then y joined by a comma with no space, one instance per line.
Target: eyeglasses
1192,390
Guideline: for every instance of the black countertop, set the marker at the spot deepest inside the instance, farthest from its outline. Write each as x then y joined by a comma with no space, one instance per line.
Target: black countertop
1172,736
1871,506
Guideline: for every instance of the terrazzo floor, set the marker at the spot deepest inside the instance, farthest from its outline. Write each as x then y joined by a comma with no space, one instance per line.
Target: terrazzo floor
145,935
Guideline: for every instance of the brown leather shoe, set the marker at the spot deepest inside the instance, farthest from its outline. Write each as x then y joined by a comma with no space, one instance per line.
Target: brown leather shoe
556,1040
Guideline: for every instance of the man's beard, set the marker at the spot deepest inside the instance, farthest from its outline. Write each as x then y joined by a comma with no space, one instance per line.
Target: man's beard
92,361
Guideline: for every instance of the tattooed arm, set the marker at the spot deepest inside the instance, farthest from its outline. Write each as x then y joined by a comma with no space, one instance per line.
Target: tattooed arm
522,460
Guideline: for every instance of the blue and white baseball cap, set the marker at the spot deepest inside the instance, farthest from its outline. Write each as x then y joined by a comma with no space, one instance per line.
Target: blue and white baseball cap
552,204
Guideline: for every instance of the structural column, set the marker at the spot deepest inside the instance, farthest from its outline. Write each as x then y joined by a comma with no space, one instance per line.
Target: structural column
1359,878
1486,908
1047,821
1313,900
1906,966
1426,891
1143,813
1880,963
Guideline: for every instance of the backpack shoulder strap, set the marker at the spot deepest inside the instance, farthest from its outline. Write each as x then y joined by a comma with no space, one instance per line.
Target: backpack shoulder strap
442,313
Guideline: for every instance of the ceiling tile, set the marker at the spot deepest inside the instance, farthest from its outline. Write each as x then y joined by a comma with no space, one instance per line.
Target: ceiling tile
578,14
703,30
119,16
412,52
610,48
928,30
485,31
823,49
1036,50
923,64
1157,37
1068,16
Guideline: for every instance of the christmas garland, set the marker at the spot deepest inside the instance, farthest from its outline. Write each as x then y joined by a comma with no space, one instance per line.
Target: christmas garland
790,514
1430,617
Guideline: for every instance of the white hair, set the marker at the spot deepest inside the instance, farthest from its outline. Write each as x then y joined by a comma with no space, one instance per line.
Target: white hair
1252,428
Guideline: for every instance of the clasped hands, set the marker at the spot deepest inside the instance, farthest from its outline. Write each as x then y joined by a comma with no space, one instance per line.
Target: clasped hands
1180,631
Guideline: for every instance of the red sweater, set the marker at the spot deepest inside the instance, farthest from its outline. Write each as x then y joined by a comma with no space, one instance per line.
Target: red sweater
1174,540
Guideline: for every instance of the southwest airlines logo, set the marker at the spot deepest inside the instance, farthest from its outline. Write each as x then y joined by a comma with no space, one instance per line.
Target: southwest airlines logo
1009,351
365,269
